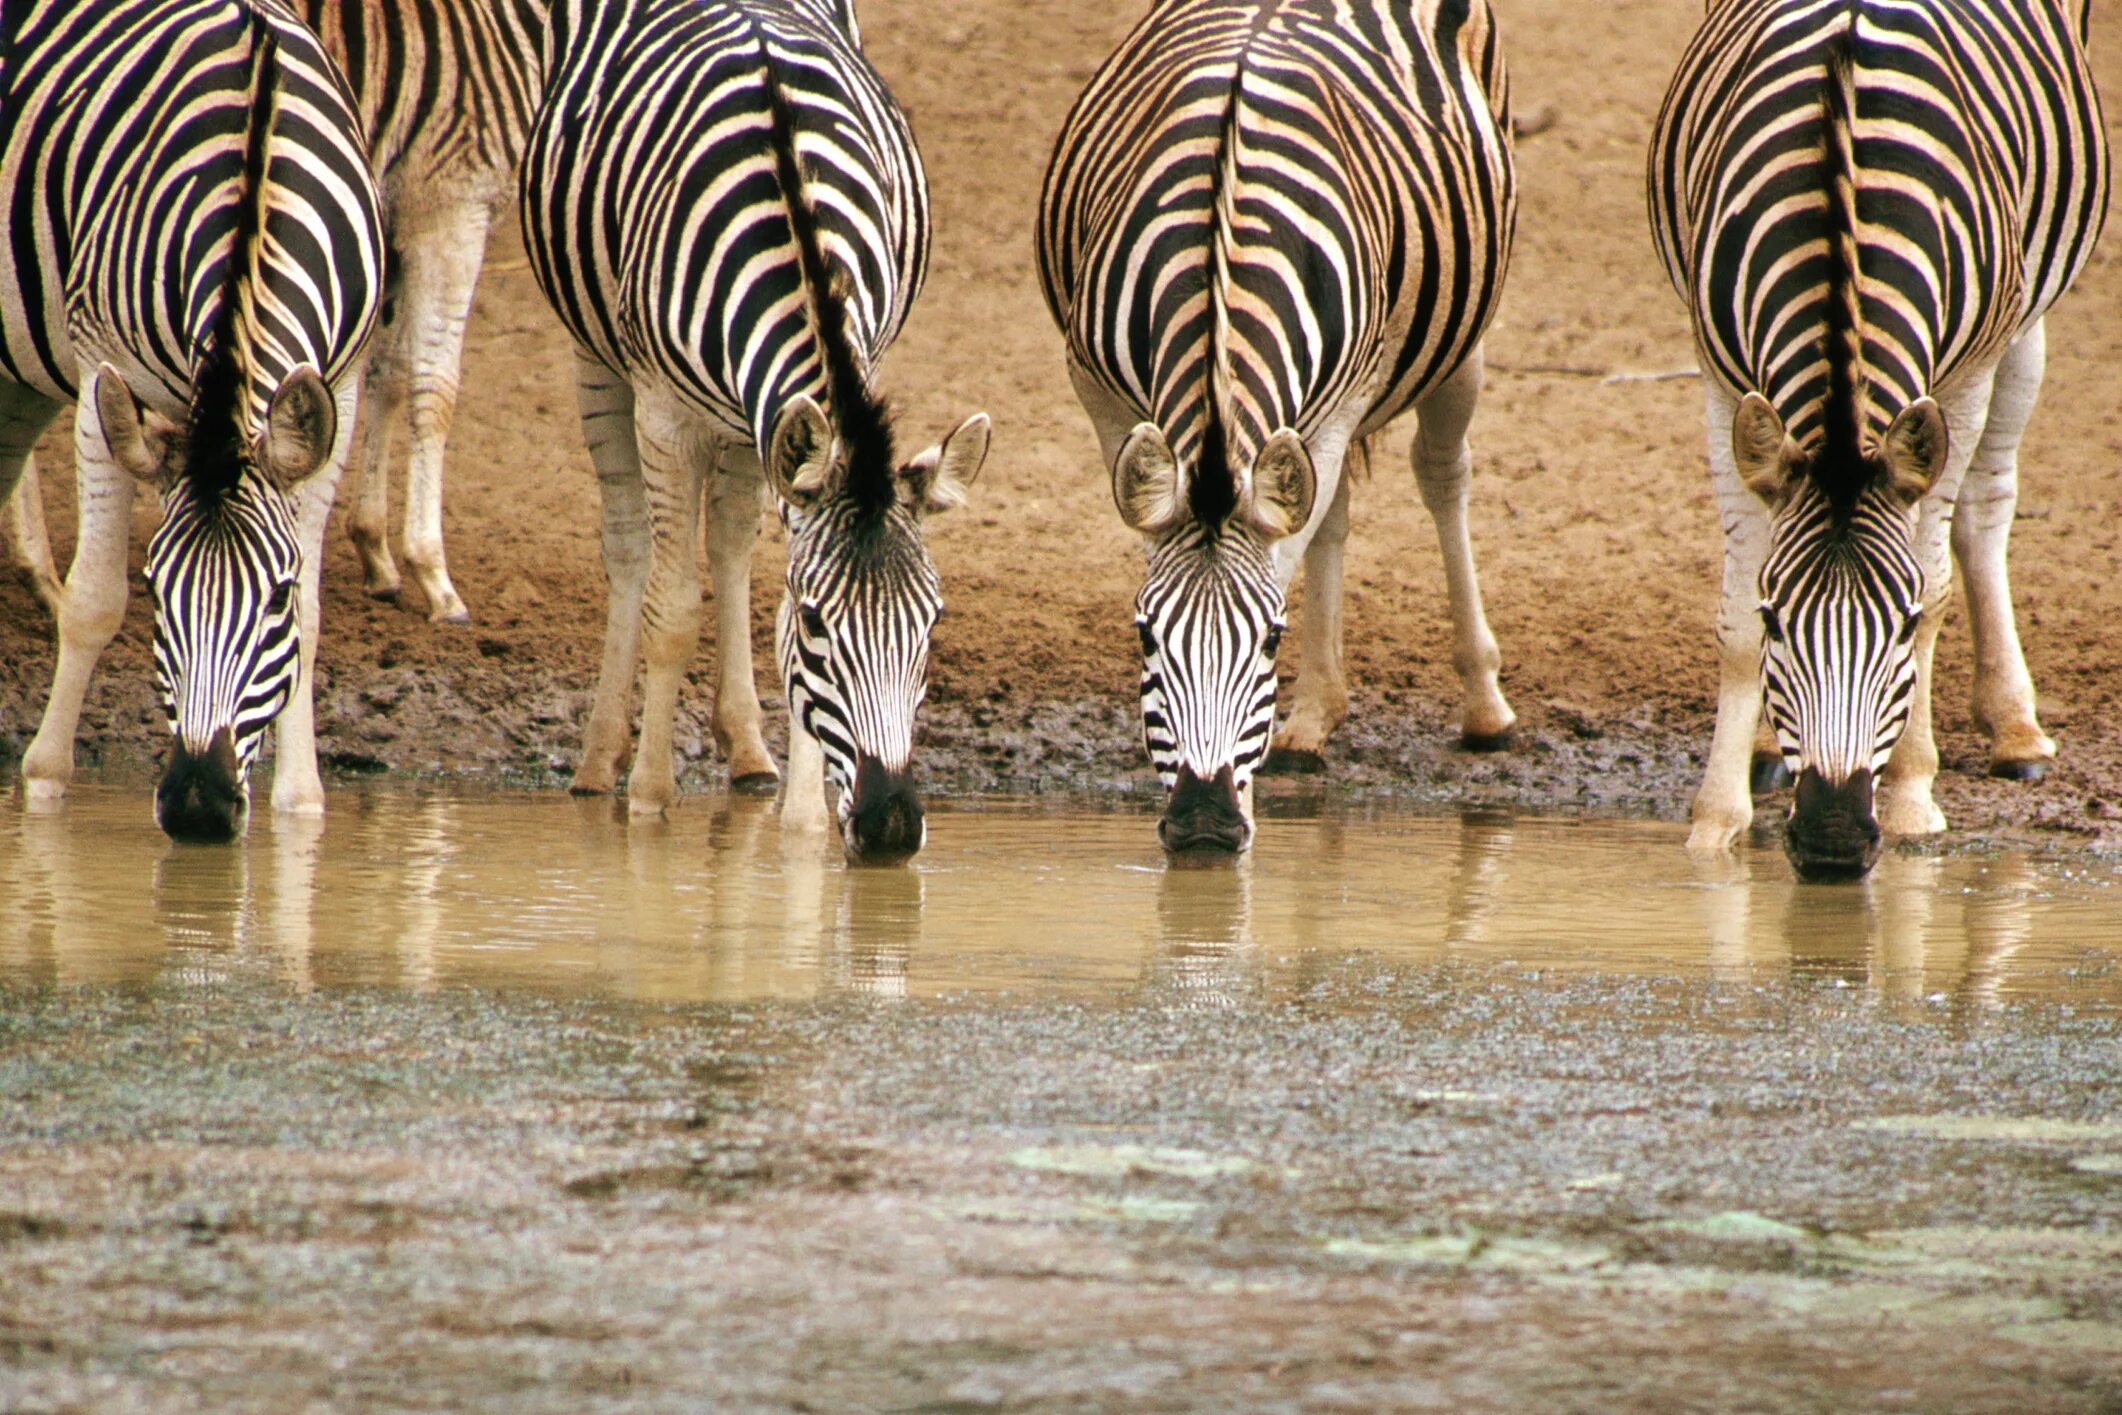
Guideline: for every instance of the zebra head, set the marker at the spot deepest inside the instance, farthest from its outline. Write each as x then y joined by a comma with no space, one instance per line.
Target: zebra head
1842,596
223,569
861,602
1210,615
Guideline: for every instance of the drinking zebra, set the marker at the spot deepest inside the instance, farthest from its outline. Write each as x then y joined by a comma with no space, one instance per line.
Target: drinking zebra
1869,208
194,254
726,207
1269,228
446,89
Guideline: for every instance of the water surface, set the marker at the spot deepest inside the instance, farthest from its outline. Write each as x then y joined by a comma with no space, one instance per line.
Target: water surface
418,888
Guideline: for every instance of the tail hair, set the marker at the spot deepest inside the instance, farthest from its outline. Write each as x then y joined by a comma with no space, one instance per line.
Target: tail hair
1212,491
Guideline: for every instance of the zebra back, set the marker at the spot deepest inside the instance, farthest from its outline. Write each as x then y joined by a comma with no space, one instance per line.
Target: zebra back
122,148
446,88
1258,212
658,107
1929,205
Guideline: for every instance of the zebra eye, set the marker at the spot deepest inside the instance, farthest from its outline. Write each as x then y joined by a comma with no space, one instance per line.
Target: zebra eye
1274,641
1770,625
282,592
1149,640
1911,624
813,621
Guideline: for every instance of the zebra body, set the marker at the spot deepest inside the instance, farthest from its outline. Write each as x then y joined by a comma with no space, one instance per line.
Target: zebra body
725,206
1869,208
193,253
1269,228
446,89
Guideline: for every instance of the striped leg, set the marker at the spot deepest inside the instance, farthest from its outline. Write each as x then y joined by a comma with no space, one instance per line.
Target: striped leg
803,792
606,403
91,605
1989,495
24,414
1319,697
1444,467
297,787
1724,805
734,494
670,446
442,252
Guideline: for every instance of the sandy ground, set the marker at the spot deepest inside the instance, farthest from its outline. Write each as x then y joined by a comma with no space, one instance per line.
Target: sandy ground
1591,514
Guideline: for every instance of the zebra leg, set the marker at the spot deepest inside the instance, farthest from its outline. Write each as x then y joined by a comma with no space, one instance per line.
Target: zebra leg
91,605
734,497
1989,495
297,787
442,261
803,793
1724,805
670,447
382,416
1903,803
1319,697
606,403
1444,467
24,414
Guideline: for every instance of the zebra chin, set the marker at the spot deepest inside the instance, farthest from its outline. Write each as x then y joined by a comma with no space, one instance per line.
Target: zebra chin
1832,834
202,796
882,822
1204,815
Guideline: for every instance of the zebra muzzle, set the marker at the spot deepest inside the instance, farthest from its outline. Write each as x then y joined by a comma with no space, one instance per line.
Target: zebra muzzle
1832,833
885,825
201,796
1204,815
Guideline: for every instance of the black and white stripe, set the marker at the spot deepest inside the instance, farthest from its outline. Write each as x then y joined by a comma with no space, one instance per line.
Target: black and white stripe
726,207
193,215
1868,208
446,89
1269,228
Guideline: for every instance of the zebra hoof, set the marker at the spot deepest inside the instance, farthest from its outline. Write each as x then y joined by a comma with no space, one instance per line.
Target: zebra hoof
1292,761
456,618
1486,742
756,783
388,594
2019,771
1768,775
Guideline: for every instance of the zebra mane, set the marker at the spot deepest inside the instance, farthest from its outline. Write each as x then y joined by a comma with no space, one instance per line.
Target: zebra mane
1841,469
219,432
860,417
1212,491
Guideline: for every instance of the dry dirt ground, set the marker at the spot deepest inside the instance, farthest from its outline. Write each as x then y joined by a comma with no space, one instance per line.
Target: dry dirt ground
1591,511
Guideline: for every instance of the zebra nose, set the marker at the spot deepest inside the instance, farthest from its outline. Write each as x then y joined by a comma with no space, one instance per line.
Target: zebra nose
885,827
201,795
1203,814
1832,834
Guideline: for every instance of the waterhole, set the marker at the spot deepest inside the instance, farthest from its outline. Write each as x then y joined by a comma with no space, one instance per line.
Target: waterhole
420,888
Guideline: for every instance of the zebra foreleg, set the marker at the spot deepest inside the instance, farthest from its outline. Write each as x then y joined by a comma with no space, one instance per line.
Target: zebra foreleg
734,497
442,256
1724,804
91,604
24,414
671,463
606,403
382,420
1319,697
297,787
1989,497
1904,805
803,793
1443,472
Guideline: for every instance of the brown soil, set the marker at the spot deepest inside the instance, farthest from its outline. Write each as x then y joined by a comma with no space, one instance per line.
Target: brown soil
1592,516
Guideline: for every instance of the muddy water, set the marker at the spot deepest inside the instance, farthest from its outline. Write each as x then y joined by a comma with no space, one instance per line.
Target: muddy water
423,890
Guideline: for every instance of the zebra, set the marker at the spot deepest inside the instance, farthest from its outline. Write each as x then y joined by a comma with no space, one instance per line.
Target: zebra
194,255
446,89
726,207
1869,208
1268,228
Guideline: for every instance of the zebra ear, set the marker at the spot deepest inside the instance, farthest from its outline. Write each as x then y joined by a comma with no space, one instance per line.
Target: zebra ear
1146,484
800,453
1281,487
300,427
135,438
937,480
1761,450
1914,451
